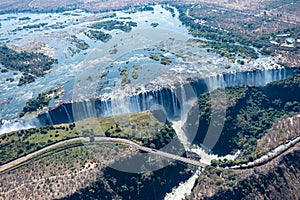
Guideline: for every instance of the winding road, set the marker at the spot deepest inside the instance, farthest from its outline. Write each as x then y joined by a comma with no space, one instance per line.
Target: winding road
274,153
269,156
23,159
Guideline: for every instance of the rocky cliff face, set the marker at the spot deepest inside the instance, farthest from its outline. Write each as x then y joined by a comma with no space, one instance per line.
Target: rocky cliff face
274,177
278,179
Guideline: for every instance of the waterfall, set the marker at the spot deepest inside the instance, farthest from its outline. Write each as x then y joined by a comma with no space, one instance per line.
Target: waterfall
104,108
121,103
174,102
256,78
171,99
67,113
49,118
80,110
134,104
10,126
187,99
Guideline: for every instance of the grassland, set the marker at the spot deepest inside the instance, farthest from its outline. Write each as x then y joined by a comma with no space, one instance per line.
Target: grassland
141,128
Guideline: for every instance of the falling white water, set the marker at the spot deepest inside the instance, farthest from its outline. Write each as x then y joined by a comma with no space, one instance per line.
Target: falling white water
174,102
49,117
67,113
10,126
119,103
186,105
177,126
208,157
184,189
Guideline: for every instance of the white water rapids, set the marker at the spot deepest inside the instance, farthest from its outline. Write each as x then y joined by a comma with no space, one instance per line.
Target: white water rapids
185,188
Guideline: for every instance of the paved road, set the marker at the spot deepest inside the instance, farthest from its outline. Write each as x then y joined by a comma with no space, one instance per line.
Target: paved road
34,154
101,139
153,151
270,155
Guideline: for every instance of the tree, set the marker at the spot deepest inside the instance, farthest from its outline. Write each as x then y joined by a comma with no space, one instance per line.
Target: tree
107,133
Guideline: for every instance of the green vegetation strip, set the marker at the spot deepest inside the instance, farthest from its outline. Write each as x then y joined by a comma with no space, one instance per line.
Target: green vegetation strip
141,128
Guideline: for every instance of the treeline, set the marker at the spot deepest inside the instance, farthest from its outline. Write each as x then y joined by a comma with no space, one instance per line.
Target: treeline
222,42
233,36
157,140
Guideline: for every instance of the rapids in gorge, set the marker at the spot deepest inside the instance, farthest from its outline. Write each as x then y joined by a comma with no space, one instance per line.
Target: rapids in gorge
117,107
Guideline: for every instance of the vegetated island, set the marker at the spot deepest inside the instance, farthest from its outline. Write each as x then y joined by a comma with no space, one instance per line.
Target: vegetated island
113,25
164,60
42,101
98,35
31,65
154,24
80,44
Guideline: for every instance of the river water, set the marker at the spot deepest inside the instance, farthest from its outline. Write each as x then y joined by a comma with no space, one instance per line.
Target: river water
169,39
156,84
55,43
